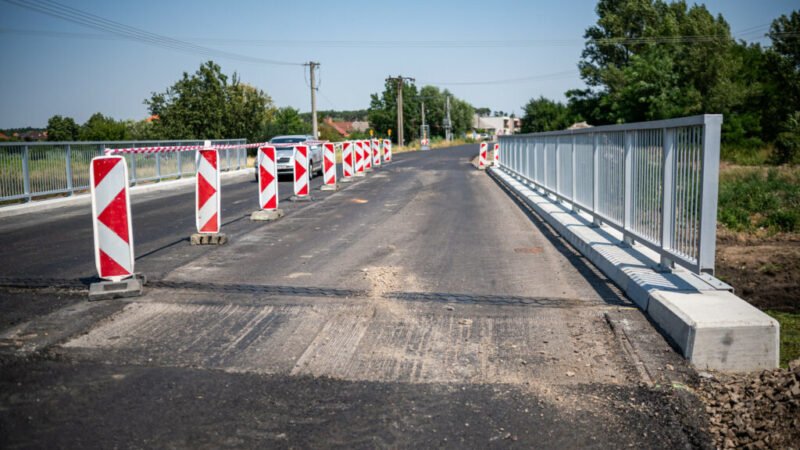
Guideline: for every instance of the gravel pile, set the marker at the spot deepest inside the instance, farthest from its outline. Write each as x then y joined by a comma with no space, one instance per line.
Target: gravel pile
755,411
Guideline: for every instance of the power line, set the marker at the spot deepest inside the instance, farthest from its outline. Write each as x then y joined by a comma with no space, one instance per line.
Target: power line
64,12
542,77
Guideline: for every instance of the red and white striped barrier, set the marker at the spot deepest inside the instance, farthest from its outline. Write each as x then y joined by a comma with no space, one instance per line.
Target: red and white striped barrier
376,152
497,154
387,150
111,218
482,156
347,160
208,218
329,168
267,178
301,171
365,145
358,154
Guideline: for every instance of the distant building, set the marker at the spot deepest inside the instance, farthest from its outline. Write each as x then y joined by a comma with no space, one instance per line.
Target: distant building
345,128
3,137
31,136
495,126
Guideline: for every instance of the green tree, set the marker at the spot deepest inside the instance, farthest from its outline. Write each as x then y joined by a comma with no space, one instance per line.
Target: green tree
544,115
102,128
206,106
787,145
286,120
62,129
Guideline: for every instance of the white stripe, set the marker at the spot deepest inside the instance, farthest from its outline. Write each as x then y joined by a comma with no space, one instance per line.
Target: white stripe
208,172
207,211
116,248
109,188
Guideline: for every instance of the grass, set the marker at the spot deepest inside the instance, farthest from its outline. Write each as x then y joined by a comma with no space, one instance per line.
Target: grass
752,199
790,335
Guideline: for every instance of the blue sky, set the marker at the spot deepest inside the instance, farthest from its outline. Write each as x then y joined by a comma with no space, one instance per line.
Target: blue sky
43,75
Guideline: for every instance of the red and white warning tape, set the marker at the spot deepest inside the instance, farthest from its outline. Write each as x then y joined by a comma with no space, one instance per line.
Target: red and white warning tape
188,148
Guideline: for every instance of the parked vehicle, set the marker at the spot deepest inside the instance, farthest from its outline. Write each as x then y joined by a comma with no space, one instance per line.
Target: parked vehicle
285,155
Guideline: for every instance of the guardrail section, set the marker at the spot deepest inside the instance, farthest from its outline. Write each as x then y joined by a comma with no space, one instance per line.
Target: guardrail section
34,169
656,182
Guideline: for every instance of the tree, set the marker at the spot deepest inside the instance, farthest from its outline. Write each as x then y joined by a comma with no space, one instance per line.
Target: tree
544,115
102,128
205,106
285,120
787,145
62,129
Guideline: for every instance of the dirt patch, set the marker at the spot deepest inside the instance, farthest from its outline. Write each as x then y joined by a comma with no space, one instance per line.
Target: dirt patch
755,411
765,271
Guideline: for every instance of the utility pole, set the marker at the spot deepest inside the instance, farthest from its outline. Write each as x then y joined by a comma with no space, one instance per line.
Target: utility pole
447,125
400,81
314,127
423,112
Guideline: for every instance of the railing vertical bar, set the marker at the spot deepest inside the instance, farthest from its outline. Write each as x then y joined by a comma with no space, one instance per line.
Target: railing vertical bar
68,161
26,177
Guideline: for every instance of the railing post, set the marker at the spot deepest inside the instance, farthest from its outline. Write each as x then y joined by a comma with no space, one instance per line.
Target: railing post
558,168
26,175
180,168
68,166
574,172
596,222
544,155
158,166
627,196
667,199
709,188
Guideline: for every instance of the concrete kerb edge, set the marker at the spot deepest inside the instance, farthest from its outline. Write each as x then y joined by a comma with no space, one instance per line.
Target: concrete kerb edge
60,202
713,329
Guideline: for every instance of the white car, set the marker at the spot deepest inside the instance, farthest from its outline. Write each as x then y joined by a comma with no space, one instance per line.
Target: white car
285,155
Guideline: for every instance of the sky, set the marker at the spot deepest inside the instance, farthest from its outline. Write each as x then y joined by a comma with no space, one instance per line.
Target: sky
54,66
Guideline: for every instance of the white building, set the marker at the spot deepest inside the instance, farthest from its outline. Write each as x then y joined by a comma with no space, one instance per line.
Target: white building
495,126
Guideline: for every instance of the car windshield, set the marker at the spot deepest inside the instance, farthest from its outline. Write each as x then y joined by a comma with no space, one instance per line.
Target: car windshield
287,140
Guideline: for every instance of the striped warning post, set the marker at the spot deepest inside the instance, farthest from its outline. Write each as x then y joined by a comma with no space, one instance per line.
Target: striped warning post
387,150
208,217
347,160
358,155
497,154
329,163
376,152
267,178
111,218
367,153
301,170
482,156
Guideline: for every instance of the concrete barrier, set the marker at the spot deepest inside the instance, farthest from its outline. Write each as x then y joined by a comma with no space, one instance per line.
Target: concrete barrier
712,328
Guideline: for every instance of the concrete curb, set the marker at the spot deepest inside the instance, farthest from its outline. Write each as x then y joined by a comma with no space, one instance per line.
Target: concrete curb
713,328
43,205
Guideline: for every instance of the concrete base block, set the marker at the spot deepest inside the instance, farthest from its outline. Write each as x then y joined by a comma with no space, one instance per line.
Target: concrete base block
359,174
346,180
329,187
266,215
717,330
108,290
368,170
481,168
208,238
300,198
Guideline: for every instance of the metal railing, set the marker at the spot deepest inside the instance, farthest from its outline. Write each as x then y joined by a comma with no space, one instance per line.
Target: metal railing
35,169
656,182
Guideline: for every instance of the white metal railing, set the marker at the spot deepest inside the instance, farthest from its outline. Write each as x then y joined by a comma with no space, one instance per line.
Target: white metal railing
36,169
656,182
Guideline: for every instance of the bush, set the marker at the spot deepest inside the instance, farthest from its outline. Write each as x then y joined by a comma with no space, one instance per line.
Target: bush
752,198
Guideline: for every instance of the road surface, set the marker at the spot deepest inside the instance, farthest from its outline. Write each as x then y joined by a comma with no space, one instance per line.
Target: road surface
421,306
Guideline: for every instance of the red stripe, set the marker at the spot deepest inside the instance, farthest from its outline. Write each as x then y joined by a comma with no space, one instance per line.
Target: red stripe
102,166
109,267
115,216
303,190
266,178
210,156
272,203
204,191
211,225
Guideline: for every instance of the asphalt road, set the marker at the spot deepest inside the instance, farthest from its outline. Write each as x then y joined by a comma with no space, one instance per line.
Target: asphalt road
419,306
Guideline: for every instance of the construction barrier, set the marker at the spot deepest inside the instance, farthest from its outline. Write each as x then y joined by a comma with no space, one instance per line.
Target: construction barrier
347,160
111,218
208,217
267,178
497,154
376,152
387,150
329,164
365,145
482,156
301,170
